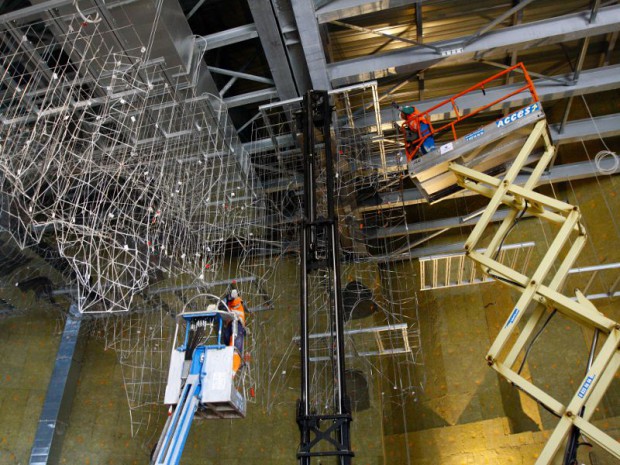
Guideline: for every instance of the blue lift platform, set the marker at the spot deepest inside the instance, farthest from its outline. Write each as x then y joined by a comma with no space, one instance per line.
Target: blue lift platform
200,378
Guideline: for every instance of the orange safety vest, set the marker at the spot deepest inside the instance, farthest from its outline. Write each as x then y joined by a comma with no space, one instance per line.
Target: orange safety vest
236,306
413,121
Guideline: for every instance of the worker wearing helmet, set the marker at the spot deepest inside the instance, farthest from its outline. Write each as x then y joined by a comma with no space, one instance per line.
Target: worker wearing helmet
237,308
416,127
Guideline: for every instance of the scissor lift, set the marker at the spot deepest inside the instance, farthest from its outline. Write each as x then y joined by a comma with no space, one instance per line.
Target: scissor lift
541,290
489,149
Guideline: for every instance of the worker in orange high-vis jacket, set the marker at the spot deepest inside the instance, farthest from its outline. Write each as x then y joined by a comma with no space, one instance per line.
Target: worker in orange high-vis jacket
415,127
236,306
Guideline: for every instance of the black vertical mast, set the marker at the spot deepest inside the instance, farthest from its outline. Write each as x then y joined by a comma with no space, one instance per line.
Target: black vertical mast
321,434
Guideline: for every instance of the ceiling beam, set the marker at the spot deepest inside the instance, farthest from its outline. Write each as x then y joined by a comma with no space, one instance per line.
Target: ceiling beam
517,18
419,30
420,227
554,88
265,145
194,9
523,36
312,43
501,18
231,82
611,43
251,97
580,60
271,38
564,80
419,23
586,129
340,9
378,32
7,79
239,74
231,36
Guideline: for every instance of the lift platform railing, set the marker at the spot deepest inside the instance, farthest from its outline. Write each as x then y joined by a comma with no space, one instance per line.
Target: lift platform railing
413,147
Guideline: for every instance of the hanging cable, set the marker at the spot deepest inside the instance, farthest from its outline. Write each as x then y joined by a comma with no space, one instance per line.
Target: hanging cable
499,248
86,19
534,339
603,155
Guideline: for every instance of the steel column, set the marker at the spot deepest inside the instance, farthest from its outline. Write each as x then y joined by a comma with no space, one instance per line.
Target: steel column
272,40
328,429
305,249
312,43
60,392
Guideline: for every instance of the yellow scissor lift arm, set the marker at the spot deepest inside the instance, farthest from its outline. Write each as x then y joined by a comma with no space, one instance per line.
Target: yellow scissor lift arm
562,252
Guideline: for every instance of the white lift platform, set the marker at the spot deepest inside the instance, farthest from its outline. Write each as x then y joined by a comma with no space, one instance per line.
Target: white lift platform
200,379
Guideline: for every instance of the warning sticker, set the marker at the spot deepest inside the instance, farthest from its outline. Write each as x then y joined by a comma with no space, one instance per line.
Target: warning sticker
446,148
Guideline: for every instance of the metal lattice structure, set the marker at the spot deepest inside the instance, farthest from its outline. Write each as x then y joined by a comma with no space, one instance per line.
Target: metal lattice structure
116,157
117,154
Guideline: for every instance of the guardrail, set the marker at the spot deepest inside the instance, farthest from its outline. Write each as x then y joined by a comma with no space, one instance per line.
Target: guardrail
413,147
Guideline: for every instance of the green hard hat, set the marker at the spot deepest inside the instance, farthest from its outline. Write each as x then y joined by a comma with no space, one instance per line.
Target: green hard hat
407,110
